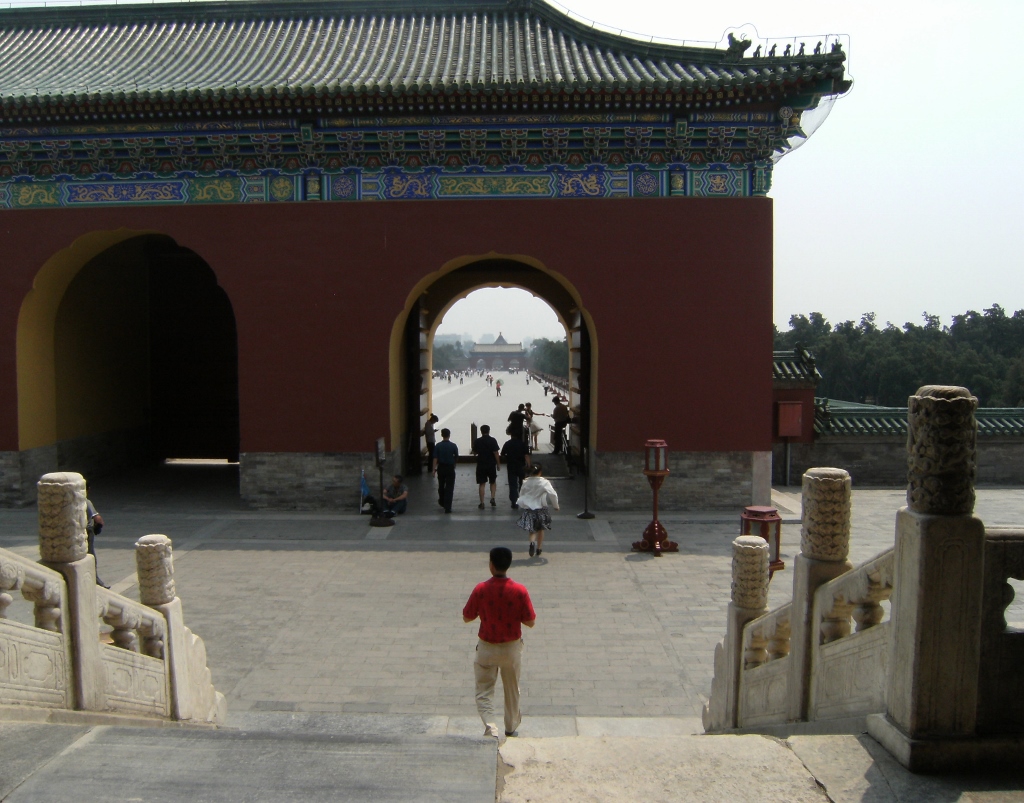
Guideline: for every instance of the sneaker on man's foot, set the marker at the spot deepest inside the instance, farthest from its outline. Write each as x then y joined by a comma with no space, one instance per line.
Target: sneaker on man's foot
491,730
510,734
481,506
538,553
533,549
493,503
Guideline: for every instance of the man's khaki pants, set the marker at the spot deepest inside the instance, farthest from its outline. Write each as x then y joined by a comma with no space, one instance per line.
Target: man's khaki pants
490,658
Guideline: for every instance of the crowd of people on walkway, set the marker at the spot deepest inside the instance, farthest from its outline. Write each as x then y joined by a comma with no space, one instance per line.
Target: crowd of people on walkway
529,492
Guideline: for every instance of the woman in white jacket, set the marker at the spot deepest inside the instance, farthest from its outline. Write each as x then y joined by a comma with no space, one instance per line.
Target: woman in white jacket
534,497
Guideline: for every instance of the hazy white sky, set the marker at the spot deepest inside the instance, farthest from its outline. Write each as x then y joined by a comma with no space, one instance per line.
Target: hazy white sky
908,198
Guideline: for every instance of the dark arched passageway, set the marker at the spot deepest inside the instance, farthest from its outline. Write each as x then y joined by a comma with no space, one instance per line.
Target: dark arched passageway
145,360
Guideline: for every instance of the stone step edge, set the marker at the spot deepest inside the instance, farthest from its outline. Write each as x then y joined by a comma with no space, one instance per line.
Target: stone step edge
60,716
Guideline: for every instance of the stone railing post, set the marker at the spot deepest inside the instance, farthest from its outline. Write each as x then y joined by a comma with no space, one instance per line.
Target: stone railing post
749,601
824,546
191,690
63,547
937,595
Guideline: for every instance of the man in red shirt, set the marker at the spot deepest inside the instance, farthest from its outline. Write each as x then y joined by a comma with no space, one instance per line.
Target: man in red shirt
503,607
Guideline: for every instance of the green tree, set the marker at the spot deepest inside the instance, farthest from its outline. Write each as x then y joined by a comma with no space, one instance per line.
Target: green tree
550,356
859,361
449,356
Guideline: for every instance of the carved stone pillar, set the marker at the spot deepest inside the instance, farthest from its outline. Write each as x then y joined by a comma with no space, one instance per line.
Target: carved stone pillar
937,595
824,546
62,518
191,688
63,546
155,567
750,572
749,601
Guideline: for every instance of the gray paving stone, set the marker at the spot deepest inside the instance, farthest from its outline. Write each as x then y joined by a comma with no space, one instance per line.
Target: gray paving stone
307,762
299,610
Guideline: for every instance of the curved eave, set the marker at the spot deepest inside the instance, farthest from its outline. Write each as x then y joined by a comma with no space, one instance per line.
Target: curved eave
228,51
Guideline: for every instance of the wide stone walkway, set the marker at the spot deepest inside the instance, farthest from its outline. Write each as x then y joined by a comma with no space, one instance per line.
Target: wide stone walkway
319,612
458,407
320,615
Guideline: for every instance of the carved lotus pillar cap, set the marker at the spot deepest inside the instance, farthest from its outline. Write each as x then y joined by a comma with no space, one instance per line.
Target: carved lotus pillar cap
155,566
827,497
62,518
942,451
750,572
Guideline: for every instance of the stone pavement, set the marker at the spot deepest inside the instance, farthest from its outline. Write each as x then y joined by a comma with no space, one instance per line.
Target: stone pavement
459,406
321,759
320,613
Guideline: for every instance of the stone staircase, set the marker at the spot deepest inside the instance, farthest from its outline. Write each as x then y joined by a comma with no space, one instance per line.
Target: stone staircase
284,757
913,644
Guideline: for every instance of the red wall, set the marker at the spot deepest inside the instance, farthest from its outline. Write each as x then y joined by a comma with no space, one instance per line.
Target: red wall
680,292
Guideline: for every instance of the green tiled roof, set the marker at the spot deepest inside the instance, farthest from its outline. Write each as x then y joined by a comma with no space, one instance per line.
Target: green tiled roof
203,51
833,417
794,369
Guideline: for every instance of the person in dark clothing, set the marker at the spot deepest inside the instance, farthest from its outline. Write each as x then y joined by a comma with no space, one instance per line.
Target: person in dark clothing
562,416
430,437
396,496
93,527
487,462
517,458
517,423
446,455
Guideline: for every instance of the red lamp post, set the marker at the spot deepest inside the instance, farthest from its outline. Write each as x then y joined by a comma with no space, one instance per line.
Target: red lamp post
655,537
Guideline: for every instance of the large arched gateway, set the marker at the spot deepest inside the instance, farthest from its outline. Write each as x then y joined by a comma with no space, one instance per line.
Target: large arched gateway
344,172
412,339
126,352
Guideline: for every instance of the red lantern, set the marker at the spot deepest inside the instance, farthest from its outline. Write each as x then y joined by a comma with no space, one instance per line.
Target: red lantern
767,523
655,537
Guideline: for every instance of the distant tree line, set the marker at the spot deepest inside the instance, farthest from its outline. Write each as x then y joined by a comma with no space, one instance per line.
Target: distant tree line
550,356
861,362
449,356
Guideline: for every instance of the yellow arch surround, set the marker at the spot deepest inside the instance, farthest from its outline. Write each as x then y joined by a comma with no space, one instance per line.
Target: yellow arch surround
396,351
37,387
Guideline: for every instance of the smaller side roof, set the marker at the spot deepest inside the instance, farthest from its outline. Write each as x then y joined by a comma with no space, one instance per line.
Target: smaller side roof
794,369
835,417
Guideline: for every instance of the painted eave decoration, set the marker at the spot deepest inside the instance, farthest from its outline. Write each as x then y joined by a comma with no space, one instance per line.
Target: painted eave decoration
271,101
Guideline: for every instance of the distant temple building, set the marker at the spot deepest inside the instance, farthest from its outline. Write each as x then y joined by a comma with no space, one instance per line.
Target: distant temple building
497,356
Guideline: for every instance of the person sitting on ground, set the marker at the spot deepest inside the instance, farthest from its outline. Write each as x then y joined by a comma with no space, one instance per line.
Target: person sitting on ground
487,462
396,496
